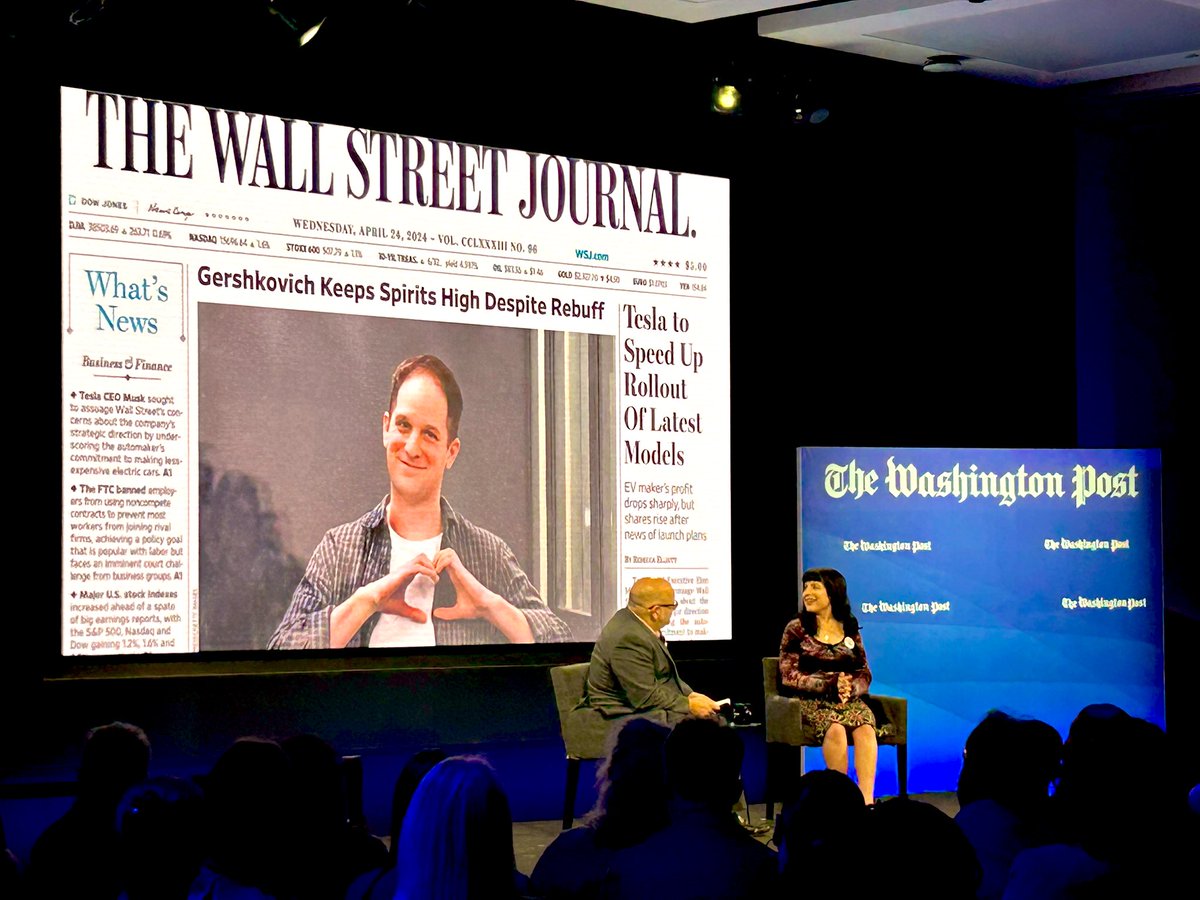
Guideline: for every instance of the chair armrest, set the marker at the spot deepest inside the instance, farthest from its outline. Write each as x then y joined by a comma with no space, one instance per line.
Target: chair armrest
891,714
785,721
770,676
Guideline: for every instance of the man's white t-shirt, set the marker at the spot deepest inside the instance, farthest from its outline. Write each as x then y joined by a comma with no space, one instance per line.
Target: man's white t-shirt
398,631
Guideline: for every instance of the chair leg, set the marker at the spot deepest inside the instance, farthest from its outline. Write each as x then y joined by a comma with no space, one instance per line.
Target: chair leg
785,764
768,797
902,768
571,789
769,787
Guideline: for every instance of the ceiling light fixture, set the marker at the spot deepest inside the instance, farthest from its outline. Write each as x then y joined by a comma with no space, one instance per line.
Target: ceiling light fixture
726,99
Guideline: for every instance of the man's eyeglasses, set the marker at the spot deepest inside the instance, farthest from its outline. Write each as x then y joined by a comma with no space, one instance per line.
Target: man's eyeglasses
664,606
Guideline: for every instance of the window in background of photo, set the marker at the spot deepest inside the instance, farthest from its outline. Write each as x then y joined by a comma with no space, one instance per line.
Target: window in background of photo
576,465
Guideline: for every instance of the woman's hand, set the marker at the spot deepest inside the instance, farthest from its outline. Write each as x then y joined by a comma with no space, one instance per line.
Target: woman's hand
845,687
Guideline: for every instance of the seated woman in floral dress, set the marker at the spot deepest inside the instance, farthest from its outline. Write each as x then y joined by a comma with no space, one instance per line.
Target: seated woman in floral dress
822,662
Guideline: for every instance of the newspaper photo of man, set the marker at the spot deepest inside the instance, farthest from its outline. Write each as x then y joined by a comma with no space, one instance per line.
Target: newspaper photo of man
413,571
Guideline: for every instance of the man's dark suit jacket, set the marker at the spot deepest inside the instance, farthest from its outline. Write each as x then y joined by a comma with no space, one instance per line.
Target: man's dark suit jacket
631,672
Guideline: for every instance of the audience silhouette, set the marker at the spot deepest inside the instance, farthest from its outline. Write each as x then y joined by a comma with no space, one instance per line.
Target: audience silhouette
819,833
77,855
158,827
251,847
346,850
920,851
1009,765
11,884
716,856
1116,831
407,781
631,804
380,883
1037,818
456,843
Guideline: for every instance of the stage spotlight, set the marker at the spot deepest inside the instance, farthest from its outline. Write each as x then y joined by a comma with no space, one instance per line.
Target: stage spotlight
726,99
303,18
310,33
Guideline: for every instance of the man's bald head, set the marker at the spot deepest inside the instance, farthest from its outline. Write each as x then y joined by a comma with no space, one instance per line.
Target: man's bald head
648,592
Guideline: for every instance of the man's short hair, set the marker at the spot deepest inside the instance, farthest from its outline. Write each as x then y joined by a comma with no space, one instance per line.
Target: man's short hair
441,373
649,591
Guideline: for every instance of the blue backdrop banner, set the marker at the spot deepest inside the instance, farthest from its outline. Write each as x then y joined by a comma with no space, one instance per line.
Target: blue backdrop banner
1023,580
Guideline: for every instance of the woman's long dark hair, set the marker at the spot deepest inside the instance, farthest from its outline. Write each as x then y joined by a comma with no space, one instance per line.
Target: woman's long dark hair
839,600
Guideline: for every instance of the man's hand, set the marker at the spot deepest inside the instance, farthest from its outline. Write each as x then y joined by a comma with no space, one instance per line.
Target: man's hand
845,687
389,590
384,595
474,601
700,705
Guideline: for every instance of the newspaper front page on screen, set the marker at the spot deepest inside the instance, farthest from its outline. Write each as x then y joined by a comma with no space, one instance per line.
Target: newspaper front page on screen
186,227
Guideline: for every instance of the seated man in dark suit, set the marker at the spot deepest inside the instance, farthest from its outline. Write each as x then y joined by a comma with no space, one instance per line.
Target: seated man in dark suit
704,762
631,671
